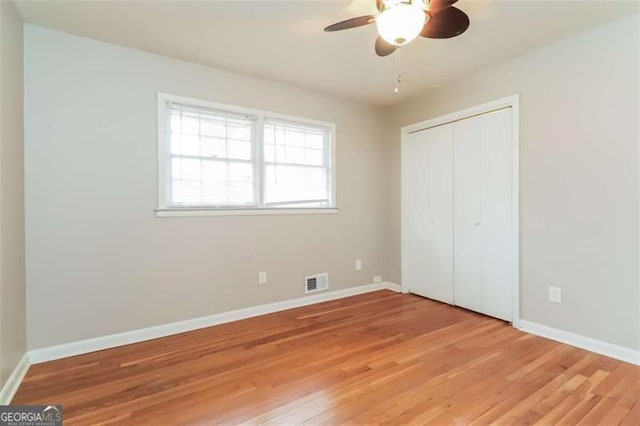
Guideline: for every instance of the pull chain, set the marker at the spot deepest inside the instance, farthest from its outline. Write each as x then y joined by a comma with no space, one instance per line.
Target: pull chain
398,73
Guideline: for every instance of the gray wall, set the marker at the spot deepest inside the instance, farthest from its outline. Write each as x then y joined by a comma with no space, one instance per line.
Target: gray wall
12,256
100,262
578,175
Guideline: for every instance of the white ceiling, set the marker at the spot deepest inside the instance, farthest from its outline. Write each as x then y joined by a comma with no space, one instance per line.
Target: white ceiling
284,41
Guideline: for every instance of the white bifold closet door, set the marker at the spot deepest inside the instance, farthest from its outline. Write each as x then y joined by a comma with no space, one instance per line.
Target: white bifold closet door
428,205
483,213
458,213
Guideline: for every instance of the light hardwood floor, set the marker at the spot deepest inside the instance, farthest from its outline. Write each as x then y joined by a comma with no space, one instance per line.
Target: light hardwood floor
376,358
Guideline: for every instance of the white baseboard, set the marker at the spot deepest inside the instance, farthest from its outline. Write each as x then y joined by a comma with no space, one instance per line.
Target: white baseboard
395,287
12,384
582,342
106,342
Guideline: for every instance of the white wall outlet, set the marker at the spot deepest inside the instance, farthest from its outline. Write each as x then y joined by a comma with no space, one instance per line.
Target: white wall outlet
555,294
262,277
358,264
377,279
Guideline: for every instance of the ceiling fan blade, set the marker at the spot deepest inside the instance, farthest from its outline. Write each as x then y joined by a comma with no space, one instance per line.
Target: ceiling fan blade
383,48
447,23
438,5
351,23
380,5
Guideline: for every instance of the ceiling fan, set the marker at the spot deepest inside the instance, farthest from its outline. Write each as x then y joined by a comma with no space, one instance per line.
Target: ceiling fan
401,21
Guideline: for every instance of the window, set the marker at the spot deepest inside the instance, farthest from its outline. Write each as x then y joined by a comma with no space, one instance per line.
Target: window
211,158
297,164
217,159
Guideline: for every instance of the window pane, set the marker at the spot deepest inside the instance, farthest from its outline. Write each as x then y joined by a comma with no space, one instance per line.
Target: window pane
215,172
176,146
176,118
213,127
269,153
233,194
294,144
294,138
185,191
240,172
238,132
190,124
297,169
314,156
218,183
239,150
227,183
269,135
293,155
204,145
240,193
207,135
190,169
314,140
295,183
213,147
186,144
176,168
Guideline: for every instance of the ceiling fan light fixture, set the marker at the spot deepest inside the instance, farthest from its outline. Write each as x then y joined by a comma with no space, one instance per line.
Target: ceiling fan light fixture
401,23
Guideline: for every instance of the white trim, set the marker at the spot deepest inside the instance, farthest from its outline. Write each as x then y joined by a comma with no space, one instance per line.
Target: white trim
332,152
395,287
515,212
244,212
403,210
163,150
105,342
514,103
259,167
505,102
12,384
598,346
241,110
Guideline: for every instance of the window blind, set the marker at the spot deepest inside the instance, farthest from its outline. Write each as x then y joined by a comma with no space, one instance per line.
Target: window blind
297,161
212,158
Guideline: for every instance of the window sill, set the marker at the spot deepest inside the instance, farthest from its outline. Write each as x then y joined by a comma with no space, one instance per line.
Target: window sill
245,212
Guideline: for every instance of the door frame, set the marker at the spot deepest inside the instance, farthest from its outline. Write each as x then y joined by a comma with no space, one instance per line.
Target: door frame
512,102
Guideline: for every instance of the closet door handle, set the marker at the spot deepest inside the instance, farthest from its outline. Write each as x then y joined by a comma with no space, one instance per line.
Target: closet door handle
432,221
476,223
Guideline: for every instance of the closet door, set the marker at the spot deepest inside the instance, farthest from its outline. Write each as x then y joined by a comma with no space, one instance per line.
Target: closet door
428,213
467,171
483,222
497,227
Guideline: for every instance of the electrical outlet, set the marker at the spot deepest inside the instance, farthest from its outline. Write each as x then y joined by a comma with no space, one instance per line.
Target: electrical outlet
377,279
555,294
262,277
358,265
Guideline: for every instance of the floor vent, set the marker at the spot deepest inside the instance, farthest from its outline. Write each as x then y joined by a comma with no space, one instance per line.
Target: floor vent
315,283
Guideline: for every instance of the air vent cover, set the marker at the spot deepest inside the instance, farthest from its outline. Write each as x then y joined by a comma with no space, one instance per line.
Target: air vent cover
316,282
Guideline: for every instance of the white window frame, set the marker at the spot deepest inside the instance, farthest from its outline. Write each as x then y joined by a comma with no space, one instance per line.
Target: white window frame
164,146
